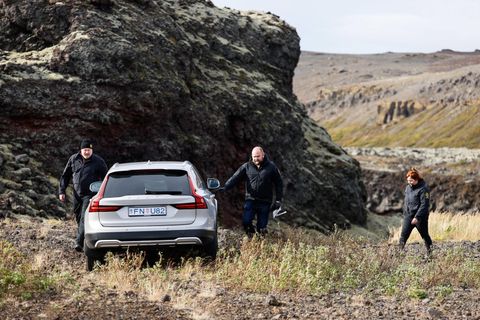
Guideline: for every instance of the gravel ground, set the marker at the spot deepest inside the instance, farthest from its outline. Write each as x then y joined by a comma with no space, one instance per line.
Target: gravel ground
206,300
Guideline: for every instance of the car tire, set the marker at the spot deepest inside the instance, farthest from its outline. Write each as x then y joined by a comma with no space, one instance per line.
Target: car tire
211,247
92,257
90,263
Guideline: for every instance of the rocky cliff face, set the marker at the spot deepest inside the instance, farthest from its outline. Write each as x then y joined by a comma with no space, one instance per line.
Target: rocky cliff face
169,80
453,175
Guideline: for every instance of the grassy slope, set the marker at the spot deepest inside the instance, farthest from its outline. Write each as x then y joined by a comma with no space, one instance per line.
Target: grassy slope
435,127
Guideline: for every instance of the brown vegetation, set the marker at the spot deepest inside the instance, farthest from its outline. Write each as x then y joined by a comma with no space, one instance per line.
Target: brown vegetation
293,273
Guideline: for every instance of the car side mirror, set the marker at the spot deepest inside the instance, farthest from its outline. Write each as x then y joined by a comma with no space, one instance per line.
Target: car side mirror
95,186
213,183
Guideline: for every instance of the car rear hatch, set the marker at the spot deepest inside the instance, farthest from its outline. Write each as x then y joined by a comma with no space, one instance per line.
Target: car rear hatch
146,198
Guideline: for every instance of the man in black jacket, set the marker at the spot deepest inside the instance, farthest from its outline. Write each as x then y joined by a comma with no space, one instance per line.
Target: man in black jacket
84,167
260,176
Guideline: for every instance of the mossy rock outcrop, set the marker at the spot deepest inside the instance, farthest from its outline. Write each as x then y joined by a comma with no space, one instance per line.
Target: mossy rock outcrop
170,80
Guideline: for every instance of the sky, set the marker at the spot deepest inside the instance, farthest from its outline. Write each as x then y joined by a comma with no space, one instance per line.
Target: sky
376,26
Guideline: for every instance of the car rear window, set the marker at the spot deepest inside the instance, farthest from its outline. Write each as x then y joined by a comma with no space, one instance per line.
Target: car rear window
147,182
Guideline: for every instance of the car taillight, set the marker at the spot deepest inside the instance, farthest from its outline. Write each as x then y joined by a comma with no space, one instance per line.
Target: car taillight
96,207
95,202
199,200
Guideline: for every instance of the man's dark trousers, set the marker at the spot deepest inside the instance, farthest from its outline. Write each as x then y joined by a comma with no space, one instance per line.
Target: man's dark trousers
259,208
80,204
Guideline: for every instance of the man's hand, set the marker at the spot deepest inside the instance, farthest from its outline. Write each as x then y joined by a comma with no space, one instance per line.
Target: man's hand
275,205
221,189
61,197
414,221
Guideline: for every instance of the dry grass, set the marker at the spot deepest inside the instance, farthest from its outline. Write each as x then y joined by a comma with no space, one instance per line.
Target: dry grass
19,276
292,260
298,263
343,263
446,226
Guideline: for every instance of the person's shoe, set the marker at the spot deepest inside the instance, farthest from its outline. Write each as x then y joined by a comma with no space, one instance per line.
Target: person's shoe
429,250
78,248
262,232
249,230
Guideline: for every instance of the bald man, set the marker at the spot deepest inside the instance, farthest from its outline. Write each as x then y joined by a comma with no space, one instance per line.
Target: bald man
261,176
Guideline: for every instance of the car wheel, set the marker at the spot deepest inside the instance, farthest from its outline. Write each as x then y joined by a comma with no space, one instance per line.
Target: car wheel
211,248
92,257
90,263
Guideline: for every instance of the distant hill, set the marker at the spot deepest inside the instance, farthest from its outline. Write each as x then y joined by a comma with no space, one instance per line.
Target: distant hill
393,99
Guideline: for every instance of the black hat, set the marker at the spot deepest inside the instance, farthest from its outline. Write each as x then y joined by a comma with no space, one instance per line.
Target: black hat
86,143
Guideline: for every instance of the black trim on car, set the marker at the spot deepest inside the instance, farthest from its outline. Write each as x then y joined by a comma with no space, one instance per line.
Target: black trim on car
204,235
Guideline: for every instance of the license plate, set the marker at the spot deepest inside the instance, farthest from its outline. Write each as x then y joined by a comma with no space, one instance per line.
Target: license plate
142,212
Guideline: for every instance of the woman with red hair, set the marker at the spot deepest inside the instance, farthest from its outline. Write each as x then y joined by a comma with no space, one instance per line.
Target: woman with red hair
415,209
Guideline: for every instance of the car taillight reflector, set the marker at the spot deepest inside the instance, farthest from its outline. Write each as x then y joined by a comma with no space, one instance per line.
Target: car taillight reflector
95,202
96,207
199,201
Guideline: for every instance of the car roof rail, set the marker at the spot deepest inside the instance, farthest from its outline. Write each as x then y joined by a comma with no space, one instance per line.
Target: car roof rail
115,164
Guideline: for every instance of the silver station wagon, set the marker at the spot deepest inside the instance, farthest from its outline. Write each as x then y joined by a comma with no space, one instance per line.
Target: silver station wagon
151,205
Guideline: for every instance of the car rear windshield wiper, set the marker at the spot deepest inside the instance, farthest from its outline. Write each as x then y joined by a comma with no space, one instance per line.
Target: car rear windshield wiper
147,191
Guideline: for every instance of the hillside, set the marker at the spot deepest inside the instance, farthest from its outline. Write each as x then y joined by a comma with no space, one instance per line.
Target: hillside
162,80
393,99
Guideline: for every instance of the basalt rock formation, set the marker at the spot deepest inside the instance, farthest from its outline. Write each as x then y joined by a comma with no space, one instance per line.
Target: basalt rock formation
396,110
168,80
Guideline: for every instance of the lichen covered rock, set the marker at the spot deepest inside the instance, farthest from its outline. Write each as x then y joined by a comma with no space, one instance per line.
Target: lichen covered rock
170,80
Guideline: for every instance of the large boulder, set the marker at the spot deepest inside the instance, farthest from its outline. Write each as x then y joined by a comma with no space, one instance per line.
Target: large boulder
170,80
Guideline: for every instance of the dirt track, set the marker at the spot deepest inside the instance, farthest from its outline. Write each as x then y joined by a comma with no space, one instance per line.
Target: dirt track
51,242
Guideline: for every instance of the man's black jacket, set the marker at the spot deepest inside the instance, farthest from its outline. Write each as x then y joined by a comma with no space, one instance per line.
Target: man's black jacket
84,172
259,181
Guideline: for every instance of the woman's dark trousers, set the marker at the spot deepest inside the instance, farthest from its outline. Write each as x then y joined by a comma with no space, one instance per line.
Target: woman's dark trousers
422,227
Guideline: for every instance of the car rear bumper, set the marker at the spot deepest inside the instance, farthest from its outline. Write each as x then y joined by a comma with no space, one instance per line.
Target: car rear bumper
148,238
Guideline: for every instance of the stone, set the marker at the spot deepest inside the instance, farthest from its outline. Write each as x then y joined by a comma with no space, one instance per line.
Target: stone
435,313
21,174
22,158
271,300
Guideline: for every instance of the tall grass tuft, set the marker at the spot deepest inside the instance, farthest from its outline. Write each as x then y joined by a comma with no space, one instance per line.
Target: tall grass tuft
128,273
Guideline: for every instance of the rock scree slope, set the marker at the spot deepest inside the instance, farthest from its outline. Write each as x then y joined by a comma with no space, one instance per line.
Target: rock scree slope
168,80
